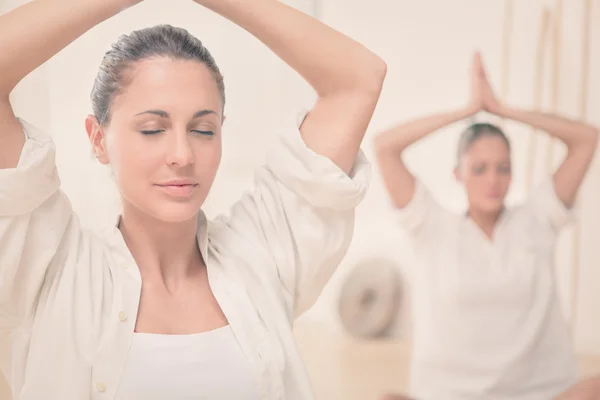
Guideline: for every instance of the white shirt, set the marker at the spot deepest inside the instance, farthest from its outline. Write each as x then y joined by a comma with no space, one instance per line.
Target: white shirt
488,323
204,366
69,298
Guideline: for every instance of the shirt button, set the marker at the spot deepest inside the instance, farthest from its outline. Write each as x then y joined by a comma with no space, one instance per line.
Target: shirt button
101,387
122,316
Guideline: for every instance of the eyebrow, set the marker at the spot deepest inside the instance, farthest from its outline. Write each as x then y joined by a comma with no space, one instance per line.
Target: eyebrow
165,115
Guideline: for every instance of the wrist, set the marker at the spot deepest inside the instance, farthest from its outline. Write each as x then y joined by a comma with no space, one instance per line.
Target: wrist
502,110
469,111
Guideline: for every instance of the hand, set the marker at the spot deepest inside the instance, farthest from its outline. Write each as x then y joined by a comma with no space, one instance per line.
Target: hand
129,3
588,389
490,102
476,101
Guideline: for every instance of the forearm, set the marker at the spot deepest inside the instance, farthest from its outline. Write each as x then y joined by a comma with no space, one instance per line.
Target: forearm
329,61
400,137
586,389
33,33
572,133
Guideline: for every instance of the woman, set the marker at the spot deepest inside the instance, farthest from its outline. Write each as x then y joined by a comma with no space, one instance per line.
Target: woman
212,304
488,324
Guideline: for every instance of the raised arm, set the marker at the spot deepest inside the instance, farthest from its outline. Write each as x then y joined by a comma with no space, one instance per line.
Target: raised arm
581,140
398,180
37,226
346,76
29,36
390,144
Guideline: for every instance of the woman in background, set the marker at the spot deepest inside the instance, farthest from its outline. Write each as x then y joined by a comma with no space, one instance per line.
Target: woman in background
212,303
488,323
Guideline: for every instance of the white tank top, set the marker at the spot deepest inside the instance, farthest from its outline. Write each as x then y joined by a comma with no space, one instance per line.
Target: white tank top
205,366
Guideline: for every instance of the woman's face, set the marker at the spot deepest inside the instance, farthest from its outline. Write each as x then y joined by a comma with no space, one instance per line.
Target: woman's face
163,141
485,170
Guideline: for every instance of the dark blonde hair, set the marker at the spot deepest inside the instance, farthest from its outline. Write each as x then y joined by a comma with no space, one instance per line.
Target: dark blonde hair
475,132
157,41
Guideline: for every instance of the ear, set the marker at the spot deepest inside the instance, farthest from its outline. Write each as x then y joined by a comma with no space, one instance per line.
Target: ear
457,174
97,139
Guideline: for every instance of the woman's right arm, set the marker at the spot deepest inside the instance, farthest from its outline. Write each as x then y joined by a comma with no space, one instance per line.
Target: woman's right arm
29,36
389,145
38,231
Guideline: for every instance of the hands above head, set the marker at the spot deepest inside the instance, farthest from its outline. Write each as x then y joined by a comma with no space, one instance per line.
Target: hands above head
483,97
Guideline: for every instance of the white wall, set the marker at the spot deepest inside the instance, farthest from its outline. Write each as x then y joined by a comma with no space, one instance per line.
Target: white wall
427,45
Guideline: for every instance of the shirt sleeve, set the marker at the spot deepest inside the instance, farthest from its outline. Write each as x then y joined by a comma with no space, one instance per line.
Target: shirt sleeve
548,209
420,215
302,213
34,216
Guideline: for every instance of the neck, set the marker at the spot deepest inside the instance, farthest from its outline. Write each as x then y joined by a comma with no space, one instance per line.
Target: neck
485,220
162,250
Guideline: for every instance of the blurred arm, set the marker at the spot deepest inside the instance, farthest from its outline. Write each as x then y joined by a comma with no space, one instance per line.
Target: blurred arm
398,180
581,141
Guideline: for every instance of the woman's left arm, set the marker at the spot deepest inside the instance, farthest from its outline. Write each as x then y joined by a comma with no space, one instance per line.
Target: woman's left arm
581,141
346,76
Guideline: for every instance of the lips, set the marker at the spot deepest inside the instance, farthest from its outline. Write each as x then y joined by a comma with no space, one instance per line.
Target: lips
178,187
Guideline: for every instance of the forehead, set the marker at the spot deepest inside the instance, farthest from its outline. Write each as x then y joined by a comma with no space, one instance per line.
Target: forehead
488,148
170,85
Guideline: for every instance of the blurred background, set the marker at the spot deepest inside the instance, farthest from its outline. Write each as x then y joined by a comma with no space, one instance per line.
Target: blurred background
537,56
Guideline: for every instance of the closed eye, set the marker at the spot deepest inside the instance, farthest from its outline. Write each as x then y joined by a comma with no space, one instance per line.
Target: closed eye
152,132
208,133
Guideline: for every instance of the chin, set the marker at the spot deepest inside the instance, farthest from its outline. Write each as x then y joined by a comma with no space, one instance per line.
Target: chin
171,211
175,216
492,207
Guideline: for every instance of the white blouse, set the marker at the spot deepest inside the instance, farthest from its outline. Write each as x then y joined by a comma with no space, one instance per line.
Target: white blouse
69,298
488,322
203,366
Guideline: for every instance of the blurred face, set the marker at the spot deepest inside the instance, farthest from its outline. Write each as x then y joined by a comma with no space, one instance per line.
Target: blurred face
485,170
163,141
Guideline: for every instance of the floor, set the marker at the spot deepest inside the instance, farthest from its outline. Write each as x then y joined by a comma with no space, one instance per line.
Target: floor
345,369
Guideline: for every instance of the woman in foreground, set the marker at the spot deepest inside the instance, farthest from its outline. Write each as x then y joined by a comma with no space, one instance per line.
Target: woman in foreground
168,305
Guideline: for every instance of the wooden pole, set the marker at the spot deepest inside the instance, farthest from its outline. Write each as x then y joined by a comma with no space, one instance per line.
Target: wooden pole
556,59
537,93
583,111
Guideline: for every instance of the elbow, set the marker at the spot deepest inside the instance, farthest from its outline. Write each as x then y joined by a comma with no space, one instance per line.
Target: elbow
7,85
590,139
362,78
586,141
594,133
372,77
383,146
379,144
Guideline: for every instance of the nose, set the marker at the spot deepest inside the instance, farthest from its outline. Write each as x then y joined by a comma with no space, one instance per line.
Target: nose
180,151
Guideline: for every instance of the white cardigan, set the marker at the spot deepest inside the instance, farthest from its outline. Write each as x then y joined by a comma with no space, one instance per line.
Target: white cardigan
69,298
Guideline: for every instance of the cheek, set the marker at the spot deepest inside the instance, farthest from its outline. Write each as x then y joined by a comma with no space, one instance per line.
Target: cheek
130,156
475,184
208,157
506,180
